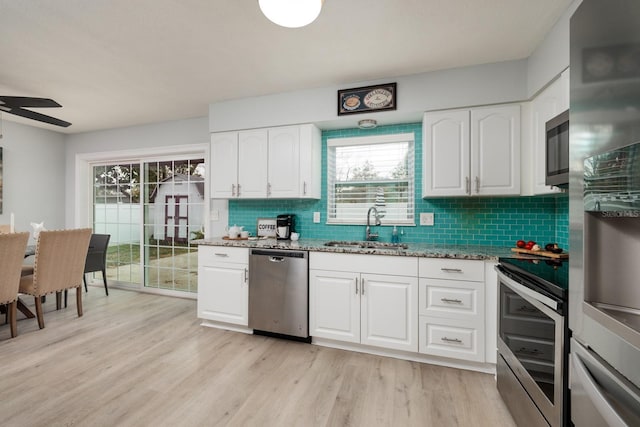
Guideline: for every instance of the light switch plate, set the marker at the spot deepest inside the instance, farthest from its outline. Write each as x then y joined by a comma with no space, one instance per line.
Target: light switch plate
316,217
426,218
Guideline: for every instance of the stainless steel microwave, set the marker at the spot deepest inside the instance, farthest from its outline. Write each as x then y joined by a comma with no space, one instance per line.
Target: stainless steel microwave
557,150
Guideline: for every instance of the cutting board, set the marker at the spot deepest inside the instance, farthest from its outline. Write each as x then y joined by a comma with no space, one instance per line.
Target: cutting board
541,253
236,238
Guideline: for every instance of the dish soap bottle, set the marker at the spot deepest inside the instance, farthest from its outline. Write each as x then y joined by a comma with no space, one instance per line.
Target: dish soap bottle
394,235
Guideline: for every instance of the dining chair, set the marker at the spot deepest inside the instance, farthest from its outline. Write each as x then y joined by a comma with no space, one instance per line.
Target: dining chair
58,266
12,249
97,258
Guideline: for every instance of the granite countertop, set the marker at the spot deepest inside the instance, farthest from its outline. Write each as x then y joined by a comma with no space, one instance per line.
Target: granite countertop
413,249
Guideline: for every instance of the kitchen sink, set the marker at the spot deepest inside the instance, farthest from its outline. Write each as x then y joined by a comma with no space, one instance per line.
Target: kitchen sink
365,245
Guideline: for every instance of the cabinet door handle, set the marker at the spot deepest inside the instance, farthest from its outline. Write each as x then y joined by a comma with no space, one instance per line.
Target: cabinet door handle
246,275
356,286
233,190
451,270
268,188
304,188
238,192
362,287
455,340
451,301
477,185
467,185
222,255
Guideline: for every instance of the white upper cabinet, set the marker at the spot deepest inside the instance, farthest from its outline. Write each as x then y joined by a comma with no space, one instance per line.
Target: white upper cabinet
552,101
495,150
309,184
224,161
472,152
252,164
446,153
282,162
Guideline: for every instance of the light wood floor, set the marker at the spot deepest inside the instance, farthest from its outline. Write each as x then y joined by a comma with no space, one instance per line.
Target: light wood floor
143,360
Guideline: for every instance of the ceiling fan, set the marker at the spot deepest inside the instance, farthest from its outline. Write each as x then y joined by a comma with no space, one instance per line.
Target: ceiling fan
15,105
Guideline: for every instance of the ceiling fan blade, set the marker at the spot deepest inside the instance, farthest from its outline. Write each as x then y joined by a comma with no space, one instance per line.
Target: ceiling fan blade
39,117
26,101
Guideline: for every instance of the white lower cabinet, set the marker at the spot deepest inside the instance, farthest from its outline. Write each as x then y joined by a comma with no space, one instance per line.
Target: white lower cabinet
434,306
452,308
377,307
223,292
334,305
459,339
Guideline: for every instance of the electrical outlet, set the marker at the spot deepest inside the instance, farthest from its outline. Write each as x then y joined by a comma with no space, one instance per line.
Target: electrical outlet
426,218
215,215
316,217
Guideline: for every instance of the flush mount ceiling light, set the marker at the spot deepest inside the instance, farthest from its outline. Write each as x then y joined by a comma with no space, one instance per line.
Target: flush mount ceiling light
291,13
367,124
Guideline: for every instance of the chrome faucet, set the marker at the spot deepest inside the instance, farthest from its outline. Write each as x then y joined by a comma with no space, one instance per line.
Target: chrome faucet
368,234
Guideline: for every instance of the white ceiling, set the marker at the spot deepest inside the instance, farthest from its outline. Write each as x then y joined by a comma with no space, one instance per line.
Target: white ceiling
114,63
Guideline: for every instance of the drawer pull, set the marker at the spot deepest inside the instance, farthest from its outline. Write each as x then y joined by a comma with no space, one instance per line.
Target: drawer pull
222,255
455,340
451,301
452,270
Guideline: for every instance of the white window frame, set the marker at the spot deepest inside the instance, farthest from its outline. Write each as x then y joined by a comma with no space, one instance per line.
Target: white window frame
371,140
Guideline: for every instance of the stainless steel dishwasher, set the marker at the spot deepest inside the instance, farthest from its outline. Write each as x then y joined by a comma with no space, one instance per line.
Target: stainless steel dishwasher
279,292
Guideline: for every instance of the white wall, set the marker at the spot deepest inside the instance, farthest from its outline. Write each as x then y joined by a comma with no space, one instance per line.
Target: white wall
122,143
503,82
33,176
460,87
552,55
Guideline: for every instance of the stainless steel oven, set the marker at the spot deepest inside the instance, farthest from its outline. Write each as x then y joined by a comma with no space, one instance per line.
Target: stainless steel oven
533,340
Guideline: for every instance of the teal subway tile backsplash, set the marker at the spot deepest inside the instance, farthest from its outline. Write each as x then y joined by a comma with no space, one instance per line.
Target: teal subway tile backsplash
493,221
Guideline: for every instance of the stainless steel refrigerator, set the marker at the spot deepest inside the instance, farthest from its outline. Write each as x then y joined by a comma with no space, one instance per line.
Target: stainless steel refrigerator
604,213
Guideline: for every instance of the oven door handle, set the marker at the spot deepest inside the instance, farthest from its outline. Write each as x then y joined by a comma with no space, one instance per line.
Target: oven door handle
525,291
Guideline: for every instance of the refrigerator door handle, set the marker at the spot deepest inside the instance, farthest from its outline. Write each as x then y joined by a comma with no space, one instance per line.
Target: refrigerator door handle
597,395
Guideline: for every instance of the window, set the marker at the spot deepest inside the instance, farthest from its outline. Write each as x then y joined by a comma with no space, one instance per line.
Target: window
371,171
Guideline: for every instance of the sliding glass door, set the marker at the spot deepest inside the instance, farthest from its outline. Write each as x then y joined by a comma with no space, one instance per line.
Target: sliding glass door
173,216
117,212
152,208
